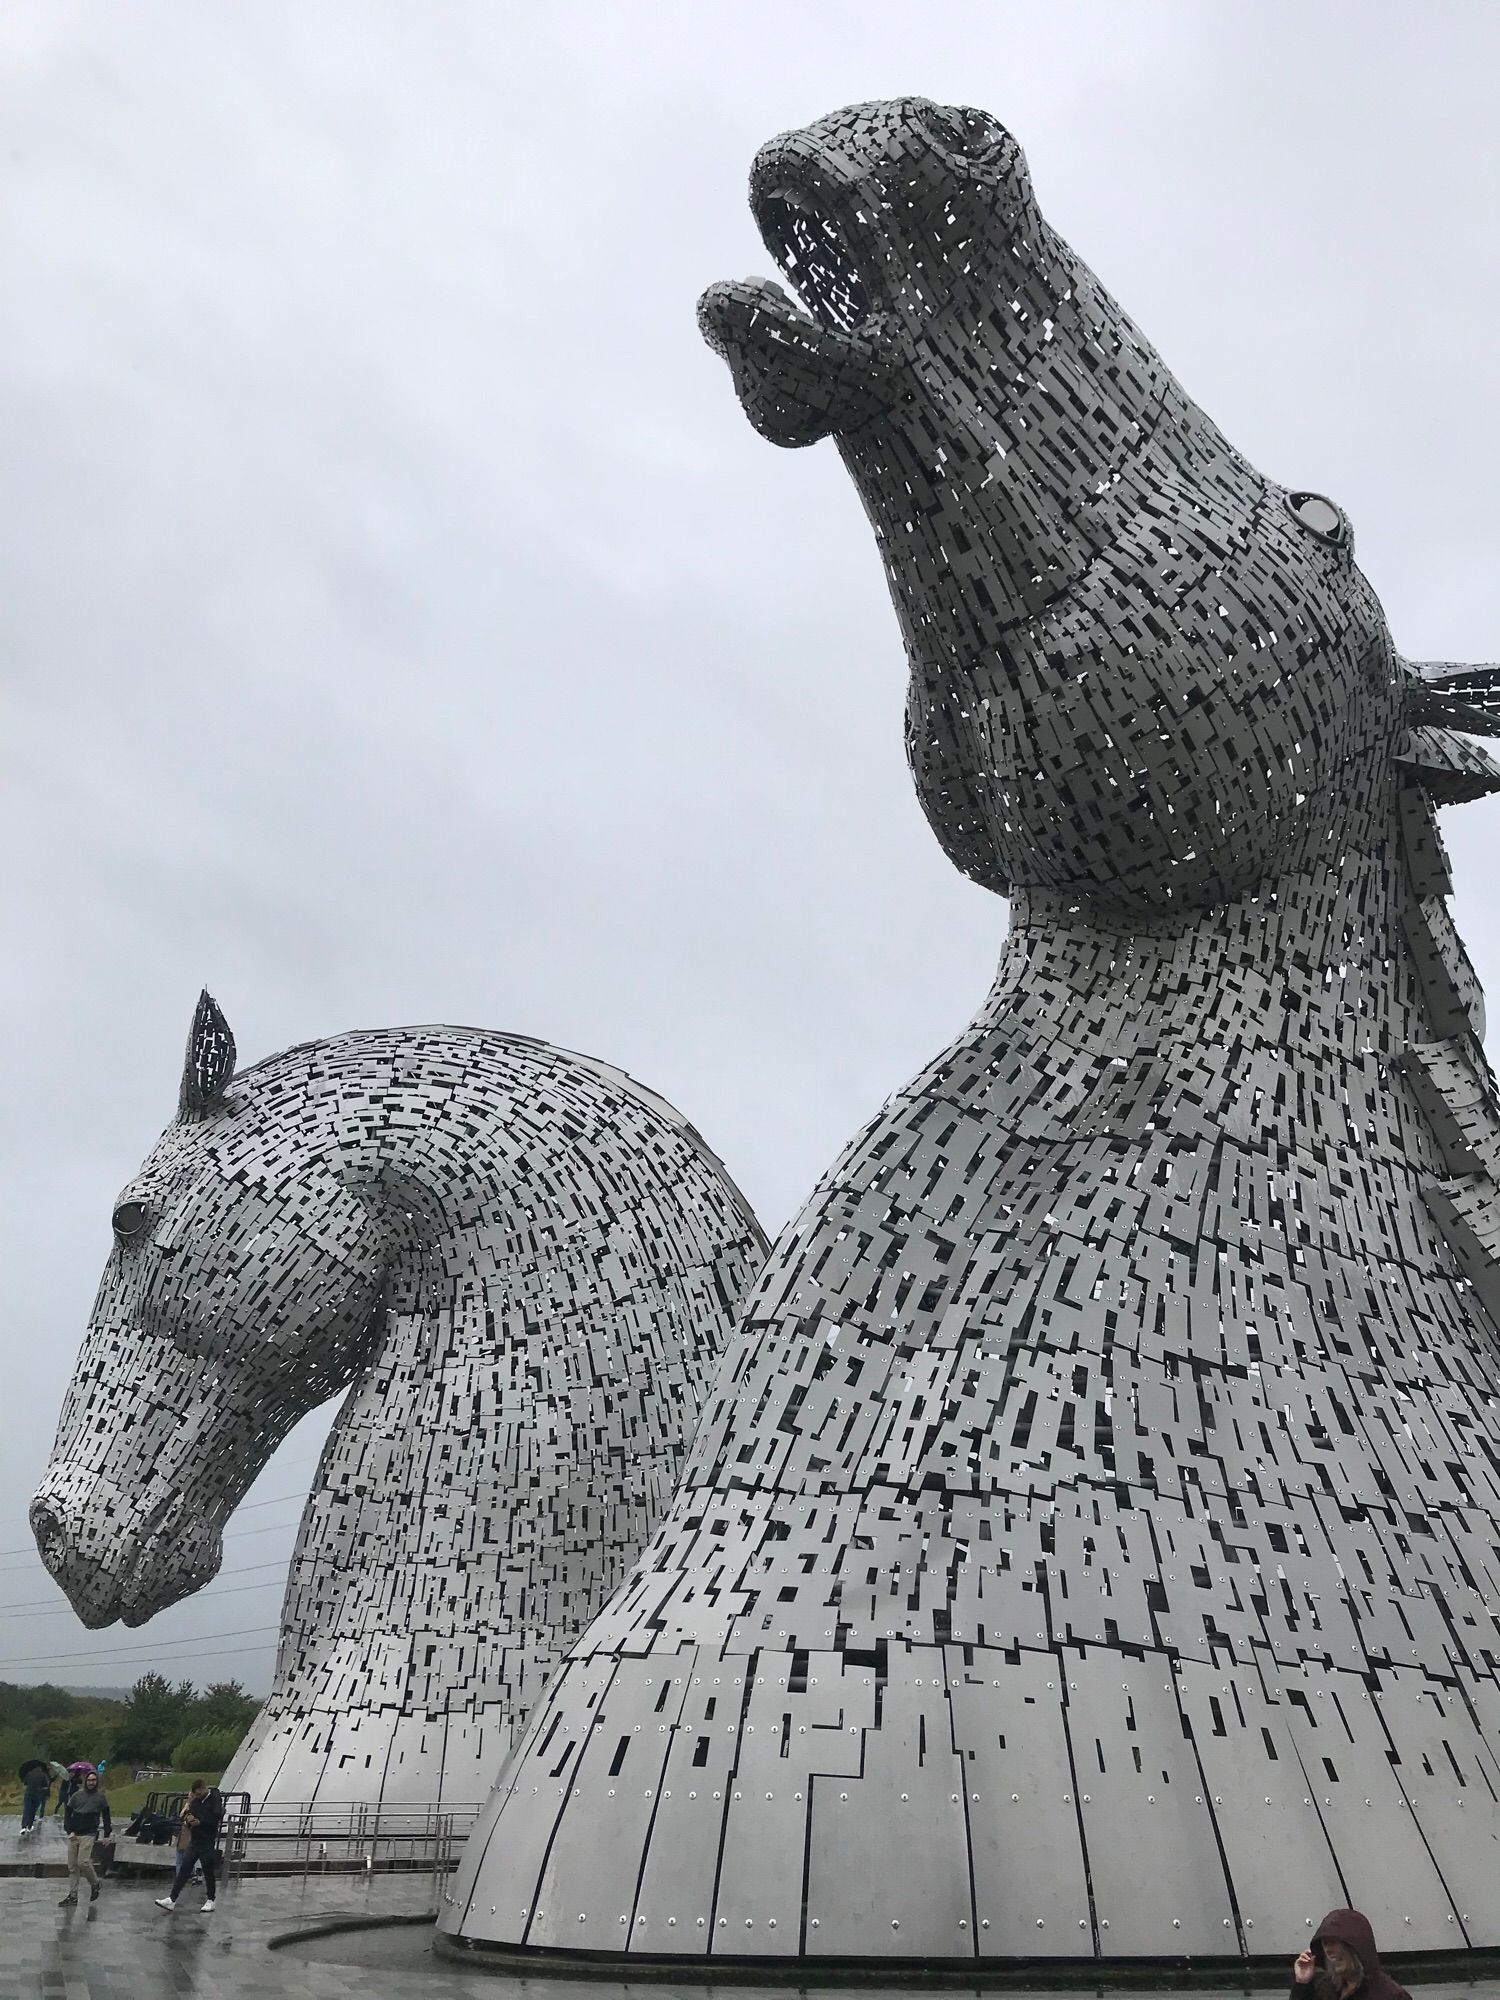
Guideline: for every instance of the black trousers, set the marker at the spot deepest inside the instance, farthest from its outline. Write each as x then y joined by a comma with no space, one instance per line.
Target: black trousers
190,1858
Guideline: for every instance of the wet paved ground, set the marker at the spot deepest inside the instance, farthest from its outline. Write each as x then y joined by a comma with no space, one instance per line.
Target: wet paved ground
124,1948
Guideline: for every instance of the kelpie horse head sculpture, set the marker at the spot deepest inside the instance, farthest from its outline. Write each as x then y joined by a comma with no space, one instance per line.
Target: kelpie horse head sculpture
1088,1546
522,1267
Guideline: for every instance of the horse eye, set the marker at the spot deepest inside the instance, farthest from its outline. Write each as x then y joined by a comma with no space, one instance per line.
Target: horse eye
131,1218
1325,520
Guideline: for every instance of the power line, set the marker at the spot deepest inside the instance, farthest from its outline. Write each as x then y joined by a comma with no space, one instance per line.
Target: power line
133,1652
230,1536
29,1549
199,1653
66,1610
236,1569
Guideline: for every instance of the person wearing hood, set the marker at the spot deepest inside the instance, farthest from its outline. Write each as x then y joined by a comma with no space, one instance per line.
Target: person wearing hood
37,1780
84,1818
1342,1962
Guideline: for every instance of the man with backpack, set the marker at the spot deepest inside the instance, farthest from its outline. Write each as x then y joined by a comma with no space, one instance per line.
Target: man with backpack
202,1819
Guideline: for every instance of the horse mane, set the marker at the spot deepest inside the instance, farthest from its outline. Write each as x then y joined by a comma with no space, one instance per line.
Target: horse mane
1446,706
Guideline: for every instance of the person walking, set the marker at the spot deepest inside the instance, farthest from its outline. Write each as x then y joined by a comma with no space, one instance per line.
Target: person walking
1342,1962
202,1817
36,1782
84,1817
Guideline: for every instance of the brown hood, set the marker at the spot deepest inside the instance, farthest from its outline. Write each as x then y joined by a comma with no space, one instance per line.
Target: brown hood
1352,1928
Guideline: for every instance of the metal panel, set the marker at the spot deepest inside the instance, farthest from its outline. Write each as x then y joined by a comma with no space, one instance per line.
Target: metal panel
1266,1819
890,1865
1030,1889
1139,1793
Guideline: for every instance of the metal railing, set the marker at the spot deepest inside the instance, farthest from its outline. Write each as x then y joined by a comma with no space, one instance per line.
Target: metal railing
333,1836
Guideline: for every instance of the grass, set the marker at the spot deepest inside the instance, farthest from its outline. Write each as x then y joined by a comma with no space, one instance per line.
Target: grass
123,1799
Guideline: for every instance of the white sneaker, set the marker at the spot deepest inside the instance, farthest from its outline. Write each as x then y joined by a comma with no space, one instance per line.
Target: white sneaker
165,1903
208,1906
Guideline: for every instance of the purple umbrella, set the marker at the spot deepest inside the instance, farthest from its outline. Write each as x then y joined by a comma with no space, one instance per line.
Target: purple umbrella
79,1768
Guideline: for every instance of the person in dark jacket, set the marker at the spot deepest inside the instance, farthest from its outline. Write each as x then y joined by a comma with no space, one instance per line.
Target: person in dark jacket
1342,1961
37,1780
85,1817
202,1818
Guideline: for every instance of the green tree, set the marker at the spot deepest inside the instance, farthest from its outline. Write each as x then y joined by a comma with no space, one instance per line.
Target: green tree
223,1705
22,1705
203,1753
152,1720
86,1732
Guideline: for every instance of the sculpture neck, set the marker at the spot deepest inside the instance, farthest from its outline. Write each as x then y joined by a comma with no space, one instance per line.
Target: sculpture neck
1307,963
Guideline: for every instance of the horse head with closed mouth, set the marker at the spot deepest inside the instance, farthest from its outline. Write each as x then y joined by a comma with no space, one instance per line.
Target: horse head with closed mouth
233,1303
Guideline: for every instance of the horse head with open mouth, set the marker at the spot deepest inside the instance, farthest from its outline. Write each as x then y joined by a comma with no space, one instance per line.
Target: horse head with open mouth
1107,1452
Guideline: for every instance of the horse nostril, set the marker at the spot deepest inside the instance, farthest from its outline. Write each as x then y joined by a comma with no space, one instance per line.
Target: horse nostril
51,1534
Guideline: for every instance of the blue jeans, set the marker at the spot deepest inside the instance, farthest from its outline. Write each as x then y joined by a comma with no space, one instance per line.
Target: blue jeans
34,1805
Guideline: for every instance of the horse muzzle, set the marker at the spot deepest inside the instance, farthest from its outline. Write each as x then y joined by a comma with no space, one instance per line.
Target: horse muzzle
118,1555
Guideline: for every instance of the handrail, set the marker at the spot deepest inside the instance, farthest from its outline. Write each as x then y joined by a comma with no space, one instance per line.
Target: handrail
337,1833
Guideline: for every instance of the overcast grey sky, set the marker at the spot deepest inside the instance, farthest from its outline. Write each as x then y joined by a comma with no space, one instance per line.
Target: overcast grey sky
403,624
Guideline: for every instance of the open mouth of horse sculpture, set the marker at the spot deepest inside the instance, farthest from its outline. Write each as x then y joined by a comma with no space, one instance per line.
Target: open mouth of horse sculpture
833,362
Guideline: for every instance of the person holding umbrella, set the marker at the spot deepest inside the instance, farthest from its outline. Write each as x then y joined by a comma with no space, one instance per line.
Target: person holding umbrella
36,1782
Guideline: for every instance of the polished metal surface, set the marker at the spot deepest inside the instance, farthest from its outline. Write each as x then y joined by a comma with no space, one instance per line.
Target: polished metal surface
1089,1546
522,1268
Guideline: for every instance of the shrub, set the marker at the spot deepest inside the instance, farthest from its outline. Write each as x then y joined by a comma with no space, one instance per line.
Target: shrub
205,1751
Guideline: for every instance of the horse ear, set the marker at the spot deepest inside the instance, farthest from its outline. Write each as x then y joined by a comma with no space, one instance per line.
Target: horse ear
209,1062
1444,695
